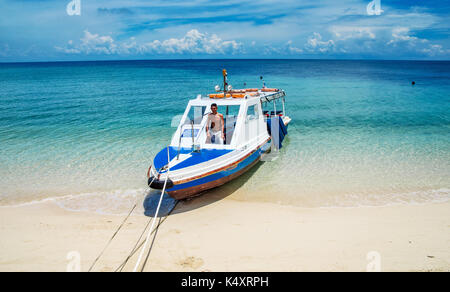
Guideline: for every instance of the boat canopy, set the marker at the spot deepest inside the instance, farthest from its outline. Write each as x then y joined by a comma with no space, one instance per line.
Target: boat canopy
238,95
272,96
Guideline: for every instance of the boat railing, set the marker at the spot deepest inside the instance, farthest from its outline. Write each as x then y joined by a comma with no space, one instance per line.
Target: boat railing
181,136
200,132
194,139
271,97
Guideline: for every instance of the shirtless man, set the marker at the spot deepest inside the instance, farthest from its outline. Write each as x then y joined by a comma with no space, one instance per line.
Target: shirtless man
215,126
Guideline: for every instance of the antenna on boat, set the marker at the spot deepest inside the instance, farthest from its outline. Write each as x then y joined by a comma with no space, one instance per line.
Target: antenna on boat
225,82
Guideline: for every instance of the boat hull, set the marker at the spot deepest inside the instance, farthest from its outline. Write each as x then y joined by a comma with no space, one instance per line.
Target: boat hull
195,190
190,188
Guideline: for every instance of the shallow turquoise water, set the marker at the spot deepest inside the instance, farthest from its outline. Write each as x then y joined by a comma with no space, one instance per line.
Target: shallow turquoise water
361,133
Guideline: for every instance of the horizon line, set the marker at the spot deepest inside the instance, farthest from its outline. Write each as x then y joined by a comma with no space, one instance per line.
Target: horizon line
221,59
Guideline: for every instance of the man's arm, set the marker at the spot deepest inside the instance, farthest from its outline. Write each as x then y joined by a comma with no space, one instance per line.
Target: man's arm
207,126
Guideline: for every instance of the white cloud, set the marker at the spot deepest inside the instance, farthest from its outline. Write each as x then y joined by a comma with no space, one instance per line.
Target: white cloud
401,35
315,44
193,42
292,49
352,32
401,38
91,44
283,50
435,50
357,39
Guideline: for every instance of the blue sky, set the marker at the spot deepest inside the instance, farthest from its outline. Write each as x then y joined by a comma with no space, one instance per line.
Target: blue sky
42,30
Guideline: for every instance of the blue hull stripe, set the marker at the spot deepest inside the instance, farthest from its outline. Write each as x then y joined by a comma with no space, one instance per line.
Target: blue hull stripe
233,169
196,158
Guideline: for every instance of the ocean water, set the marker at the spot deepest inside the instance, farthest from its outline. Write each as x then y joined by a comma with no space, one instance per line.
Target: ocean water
84,133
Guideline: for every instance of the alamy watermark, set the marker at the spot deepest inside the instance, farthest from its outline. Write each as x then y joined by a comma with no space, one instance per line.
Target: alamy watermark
74,258
374,8
374,259
74,8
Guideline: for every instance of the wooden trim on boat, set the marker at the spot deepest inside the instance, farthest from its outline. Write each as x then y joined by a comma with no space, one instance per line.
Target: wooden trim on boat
189,192
226,167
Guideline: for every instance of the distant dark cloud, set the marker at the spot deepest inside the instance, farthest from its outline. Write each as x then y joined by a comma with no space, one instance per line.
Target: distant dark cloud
237,18
119,11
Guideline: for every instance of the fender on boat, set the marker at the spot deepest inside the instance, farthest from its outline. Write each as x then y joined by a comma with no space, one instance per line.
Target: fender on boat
159,184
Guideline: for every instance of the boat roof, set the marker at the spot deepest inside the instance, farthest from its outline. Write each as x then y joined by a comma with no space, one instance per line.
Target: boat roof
230,99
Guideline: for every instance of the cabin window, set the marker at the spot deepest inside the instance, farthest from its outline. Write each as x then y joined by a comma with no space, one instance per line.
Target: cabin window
195,114
252,112
230,115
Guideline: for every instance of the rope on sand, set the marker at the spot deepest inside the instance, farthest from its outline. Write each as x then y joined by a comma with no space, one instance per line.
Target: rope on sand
117,231
111,239
138,245
153,221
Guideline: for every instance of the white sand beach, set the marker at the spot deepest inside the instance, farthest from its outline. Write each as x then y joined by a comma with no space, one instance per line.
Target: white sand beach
226,235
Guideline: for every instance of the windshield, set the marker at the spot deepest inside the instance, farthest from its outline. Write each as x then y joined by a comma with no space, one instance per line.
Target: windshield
195,114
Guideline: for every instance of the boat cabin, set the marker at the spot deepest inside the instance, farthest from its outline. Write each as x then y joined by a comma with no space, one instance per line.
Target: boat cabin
245,113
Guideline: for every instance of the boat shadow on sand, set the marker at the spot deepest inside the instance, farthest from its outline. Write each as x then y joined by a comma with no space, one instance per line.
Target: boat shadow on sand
206,198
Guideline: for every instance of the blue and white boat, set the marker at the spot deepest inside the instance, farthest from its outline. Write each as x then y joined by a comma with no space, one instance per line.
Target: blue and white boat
253,126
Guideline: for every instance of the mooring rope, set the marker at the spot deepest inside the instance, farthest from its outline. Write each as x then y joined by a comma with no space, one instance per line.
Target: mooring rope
111,239
118,229
151,246
154,218
134,249
137,246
